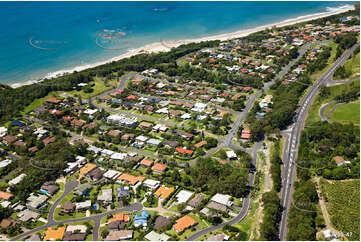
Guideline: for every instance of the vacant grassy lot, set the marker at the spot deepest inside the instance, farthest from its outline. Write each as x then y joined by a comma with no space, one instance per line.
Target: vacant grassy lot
347,113
313,115
98,88
344,205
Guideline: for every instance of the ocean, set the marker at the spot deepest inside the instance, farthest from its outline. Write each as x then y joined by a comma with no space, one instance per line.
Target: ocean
39,38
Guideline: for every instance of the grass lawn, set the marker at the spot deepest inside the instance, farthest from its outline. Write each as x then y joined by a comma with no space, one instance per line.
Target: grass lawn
313,114
98,88
344,205
38,102
59,217
347,113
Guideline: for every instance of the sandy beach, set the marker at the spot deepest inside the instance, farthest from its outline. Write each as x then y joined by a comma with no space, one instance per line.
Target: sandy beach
167,45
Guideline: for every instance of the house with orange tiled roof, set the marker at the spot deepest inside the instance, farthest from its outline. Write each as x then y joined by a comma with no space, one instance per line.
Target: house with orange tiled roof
184,151
131,97
146,163
158,167
184,223
53,100
164,191
200,144
86,169
55,234
119,217
131,179
5,195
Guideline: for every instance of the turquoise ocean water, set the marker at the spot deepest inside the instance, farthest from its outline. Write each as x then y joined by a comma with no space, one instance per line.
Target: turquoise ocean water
39,38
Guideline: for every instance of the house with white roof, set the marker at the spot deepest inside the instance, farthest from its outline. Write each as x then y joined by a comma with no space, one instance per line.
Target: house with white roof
17,179
111,174
183,196
3,131
231,155
222,199
186,116
162,110
90,111
5,163
199,107
152,184
118,156
154,142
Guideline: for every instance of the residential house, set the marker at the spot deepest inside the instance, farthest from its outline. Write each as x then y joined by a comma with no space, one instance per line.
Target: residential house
48,140
170,143
68,207
220,202
154,142
131,179
28,215
115,235
145,125
231,154
154,236
7,223
114,133
36,201
246,134
196,201
96,174
55,234
146,163
111,174
106,196
127,137
183,196
9,139
49,188
200,144
141,219
6,196
340,161
82,206
152,184
184,223
184,151
122,191
158,167
83,189
164,191
161,222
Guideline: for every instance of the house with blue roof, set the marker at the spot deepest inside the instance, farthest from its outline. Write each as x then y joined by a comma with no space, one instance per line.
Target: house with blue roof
141,219
16,123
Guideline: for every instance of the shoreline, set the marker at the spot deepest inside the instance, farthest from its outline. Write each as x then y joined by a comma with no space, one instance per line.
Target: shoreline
167,45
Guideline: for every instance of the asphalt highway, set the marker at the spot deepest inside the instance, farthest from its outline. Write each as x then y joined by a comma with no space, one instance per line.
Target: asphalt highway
290,154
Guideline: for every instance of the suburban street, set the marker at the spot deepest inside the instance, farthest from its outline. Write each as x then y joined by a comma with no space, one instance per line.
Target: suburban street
228,142
290,152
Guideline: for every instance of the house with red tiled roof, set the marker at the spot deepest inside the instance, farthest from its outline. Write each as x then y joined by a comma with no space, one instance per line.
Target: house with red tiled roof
246,134
48,140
